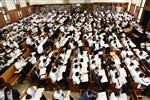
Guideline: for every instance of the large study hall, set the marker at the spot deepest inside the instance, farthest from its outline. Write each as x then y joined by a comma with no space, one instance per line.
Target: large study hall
74,49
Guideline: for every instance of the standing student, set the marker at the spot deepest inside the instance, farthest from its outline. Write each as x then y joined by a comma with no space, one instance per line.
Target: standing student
2,94
35,76
11,94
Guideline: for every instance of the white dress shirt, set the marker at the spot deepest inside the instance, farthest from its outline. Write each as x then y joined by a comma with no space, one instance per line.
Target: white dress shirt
32,60
2,95
40,47
139,80
76,79
29,41
53,76
32,90
59,95
113,97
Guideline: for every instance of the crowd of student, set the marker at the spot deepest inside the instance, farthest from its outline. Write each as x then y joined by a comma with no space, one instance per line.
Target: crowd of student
82,46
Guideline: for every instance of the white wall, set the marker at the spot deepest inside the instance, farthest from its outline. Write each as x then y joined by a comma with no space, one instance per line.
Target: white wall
138,3
110,0
133,1
10,4
22,3
77,1
32,2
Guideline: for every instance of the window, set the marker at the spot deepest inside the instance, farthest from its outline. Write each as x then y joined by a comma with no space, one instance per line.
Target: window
20,13
5,17
16,2
1,4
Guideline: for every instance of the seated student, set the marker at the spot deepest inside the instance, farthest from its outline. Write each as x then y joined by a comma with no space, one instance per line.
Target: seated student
20,64
11,94
27,97
140,80
32,58
118,95
53,75
89,95
97,79
114,95
135,72
93,65
58,94
76,78
29,41
42,63
32,90
117,80
2,93
40,48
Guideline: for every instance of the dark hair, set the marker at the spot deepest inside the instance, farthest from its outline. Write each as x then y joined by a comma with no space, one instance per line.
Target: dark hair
76,61
44,60
81,60
28,96
93,61
117,93
54,70
131,64
89,92
147,57
141,53
141,75
76,66
7,89
137,69
77,74
116,75
92,57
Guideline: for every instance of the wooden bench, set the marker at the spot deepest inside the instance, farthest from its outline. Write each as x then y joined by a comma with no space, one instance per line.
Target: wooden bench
23,45
26,53
9,76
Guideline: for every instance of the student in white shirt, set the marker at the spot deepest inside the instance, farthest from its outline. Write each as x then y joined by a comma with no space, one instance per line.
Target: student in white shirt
20,63
58,94
76,78
42,63
114,95
32,59
2,94
27,97
29,41
40,47
53,75
139,80
32,90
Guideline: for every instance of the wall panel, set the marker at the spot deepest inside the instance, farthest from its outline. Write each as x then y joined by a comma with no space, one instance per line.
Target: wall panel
13,15
137,12
132,8
25,11
2,20
148,26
